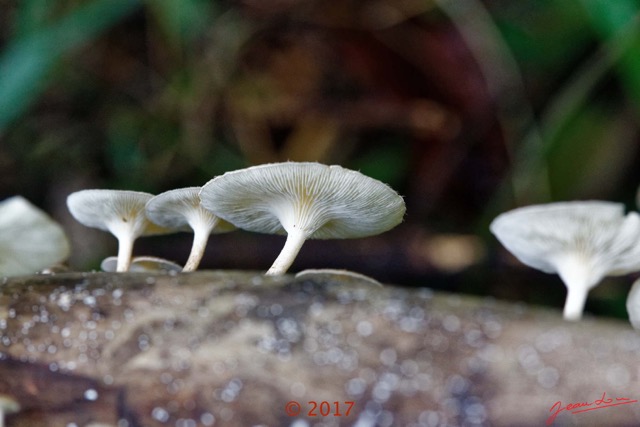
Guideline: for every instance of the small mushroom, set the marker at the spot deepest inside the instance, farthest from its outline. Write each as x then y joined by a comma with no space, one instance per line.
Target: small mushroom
8,405
120,212
633,304
581,241
180,209
329,274
304,201
29,239
142,264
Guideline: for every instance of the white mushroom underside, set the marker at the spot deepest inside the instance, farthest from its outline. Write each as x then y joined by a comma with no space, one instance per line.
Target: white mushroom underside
540,236
323,201
180,210
100,208
121,212
173,208
29,239
581,241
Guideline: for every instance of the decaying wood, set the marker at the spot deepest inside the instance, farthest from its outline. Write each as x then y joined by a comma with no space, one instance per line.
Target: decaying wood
234,348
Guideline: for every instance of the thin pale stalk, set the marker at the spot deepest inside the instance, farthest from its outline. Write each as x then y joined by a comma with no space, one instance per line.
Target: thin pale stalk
125,249
574,305
577,273
200,239
288,254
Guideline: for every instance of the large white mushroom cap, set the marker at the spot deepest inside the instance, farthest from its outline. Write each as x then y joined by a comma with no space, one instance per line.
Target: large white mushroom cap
303,200
29,239
581,241
121,212
327,202
180,209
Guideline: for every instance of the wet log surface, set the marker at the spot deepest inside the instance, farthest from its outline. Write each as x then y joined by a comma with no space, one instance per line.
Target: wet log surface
235,348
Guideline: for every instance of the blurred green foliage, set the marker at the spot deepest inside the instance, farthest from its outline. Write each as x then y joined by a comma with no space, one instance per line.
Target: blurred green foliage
467,108
39,45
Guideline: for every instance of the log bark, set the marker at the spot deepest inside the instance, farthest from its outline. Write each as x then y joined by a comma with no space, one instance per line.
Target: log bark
237,348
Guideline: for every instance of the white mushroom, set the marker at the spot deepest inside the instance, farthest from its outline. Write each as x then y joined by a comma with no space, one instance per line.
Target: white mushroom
335,274
29,239
8,405
142,264
633,304
305,201
580,241
180,209
120,212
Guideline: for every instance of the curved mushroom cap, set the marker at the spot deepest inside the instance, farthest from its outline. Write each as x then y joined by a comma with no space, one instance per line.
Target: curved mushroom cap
324,202
29,239
633,304
181,210
120,212
112,210
541,236
142,264
581,241
330,274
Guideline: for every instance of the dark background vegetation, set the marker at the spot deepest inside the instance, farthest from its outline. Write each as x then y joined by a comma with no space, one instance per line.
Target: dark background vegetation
466,108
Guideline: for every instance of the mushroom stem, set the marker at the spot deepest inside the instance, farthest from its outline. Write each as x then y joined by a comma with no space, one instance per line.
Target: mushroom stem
292,246
576,273
574,305
8,405
125,249
200,239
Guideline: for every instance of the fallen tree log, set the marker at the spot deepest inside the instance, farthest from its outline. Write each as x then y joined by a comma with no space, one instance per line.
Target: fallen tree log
239,349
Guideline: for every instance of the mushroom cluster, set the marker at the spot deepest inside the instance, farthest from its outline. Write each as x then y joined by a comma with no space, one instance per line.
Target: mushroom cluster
302,200
581,241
